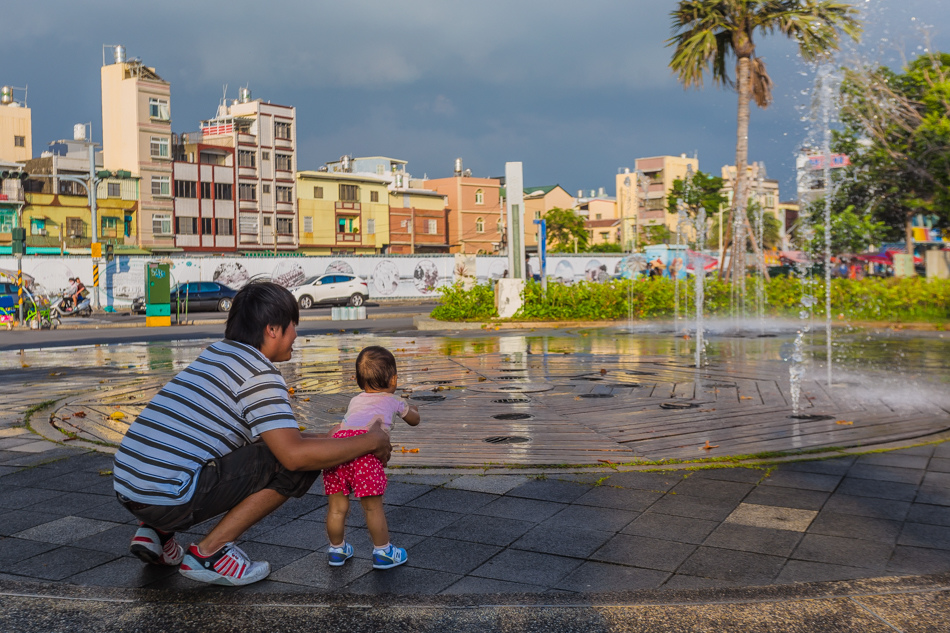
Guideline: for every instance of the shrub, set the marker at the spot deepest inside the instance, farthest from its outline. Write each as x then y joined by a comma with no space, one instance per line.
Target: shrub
458,304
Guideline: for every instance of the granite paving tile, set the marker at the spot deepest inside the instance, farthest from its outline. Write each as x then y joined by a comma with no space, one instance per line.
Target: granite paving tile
787,497
640,551
312,570
685,581
550,490
939,465
835,466
27,476
474,584
110,511
461,501
114,540
563,540
741,475
13,550
486,529
923,535
694,507
919,513
898,460
867,506
933,496
879,489
592,517
421,521
399,493
728,491
267,524
71,502
747,538
527,567
851,526
630,499
926,450
494,484
645,481
78,480
60,563
521,509
297,507
402,580
449,555
425,480
670,528
597,577
838,550
65,530
802,480
809,571
308,535
123,572
878,472
15,521
936,480
919,560
746,568
16,497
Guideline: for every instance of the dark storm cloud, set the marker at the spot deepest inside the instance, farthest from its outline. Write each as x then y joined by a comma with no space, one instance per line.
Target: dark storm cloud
574,90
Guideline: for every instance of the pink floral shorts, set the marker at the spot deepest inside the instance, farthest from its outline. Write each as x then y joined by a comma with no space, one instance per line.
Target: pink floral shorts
364,476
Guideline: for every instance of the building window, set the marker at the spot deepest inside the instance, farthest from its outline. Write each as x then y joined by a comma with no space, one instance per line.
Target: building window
207,226
158,109
158,147
349,193
113,190
7,219
265,188
285,194
223,191
282,130
186,189
162,225
37,226
371,226
605,236
225,226
318,192
74,227
248,224
308,224
479,197
186,226
480,225
265,155
247,158
19,141
285,226
267,220
110,227
206,190
432,227
599,216
285,162
247,192
161,186
537,215
374,196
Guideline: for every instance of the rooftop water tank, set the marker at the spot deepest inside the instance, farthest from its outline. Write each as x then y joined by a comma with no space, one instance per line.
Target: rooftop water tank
458,166
6,95
119,52
79,132
245,95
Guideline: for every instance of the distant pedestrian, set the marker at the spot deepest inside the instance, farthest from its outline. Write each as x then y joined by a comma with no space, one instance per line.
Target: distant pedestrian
364,477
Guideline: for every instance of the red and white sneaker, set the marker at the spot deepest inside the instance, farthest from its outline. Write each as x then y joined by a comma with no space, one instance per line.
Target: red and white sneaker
228,566
147,545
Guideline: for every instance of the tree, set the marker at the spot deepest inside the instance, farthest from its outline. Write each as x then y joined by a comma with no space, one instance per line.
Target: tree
897,133
851,232
655,234
707,33
701,191
771,227
565,230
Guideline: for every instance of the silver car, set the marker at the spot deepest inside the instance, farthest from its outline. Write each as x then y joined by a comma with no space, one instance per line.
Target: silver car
331,288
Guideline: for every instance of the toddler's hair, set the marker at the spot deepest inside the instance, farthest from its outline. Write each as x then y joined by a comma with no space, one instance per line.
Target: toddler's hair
375,368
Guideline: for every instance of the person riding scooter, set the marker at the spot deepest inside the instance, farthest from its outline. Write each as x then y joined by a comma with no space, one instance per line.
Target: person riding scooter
75,300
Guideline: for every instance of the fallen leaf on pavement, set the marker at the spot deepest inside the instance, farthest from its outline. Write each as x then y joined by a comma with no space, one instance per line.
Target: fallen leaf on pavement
745,397
482,379
413,450
603,372
708,447
116,415
80,414
306,399
844,422
105,473
291,390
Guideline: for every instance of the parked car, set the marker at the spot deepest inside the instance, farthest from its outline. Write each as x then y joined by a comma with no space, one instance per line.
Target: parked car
200,296
332,288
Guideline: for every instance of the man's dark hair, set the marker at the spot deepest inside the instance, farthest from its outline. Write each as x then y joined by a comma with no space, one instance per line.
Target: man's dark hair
375,368
254,307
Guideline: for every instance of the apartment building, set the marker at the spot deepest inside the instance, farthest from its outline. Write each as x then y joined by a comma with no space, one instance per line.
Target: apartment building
57,215
537,202
203,182
642,194
762,189
418,220
475,212
263,136
600,215
16,128
137,137
343,213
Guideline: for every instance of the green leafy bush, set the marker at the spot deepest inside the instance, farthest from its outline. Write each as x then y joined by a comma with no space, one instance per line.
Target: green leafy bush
871,299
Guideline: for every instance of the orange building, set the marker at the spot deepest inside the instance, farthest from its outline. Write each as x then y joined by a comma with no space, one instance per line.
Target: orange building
474,210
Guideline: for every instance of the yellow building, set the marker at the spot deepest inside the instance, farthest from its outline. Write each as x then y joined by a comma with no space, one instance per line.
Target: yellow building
341,213
16,128
136,136
537,202
762,190
641,195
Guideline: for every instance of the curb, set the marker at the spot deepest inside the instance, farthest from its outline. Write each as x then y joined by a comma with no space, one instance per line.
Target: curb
120,326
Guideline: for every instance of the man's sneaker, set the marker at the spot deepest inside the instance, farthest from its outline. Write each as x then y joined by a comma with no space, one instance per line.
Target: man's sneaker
147,545
389,557
336,556
228,566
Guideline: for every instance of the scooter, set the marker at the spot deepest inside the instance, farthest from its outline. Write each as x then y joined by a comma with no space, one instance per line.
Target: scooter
65,307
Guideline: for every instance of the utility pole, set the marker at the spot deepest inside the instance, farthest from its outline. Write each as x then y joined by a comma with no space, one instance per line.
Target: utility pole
412,230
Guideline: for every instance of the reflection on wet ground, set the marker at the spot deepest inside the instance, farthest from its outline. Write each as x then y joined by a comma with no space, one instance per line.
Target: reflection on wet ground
562,397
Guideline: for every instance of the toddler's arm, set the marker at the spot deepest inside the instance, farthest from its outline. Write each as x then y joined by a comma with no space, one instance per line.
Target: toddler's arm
412,416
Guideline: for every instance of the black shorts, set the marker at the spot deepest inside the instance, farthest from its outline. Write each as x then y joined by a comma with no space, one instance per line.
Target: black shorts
222,484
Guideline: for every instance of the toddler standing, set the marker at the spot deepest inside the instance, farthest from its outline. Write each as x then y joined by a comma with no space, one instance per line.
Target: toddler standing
364,477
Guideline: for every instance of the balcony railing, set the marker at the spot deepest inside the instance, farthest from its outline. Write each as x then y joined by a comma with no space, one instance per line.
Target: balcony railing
347,237
12,191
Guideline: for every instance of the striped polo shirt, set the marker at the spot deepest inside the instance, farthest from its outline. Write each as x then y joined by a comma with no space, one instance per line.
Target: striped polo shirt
224,400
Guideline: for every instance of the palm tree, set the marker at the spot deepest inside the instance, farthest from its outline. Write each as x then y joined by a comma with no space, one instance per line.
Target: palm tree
706,33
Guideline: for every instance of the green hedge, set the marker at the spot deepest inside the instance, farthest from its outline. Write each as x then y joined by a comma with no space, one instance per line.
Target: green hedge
914,299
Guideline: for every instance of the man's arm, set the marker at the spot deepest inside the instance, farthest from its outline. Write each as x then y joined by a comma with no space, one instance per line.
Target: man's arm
297,452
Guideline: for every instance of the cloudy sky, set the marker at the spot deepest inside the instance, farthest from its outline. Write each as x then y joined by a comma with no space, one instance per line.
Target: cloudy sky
573,90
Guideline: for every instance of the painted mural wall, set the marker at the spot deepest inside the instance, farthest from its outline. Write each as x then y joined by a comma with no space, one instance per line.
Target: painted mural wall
388,277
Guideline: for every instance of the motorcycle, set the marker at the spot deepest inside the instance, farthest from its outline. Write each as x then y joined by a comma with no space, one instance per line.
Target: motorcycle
65,308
